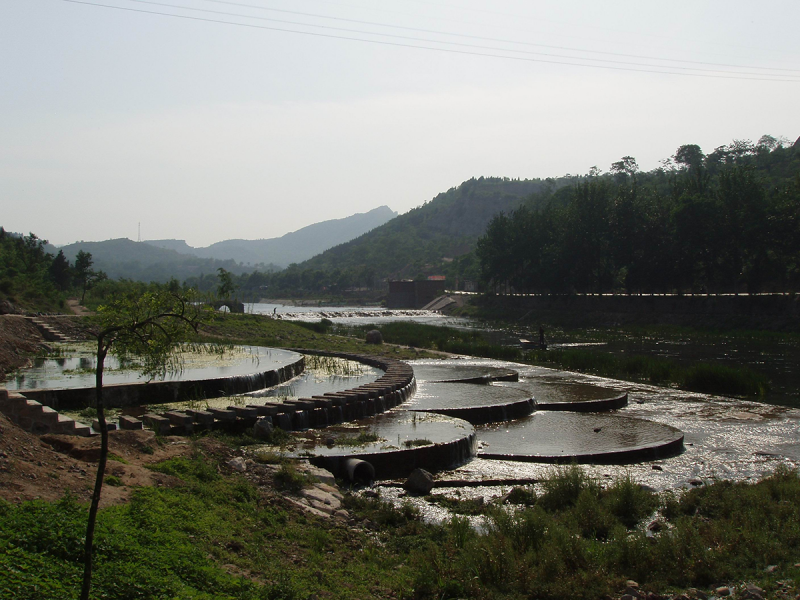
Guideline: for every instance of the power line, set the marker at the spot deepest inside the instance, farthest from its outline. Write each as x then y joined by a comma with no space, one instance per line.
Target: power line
602,60
490,39
431,48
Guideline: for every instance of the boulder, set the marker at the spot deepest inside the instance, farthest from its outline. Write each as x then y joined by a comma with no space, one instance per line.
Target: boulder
420,482
374,337
262,430
237,464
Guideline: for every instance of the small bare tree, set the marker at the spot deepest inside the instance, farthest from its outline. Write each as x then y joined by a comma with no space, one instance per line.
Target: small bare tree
149,329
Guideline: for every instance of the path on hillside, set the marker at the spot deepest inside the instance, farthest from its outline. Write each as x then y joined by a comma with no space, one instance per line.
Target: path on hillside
74,305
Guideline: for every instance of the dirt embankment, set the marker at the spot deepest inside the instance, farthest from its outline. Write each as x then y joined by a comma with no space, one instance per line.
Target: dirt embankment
19,338
46,467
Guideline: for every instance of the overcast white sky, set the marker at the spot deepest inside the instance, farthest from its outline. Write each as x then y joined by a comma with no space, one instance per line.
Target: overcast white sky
204,131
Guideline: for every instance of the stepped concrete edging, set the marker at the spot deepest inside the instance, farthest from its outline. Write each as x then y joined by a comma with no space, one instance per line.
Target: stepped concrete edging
34,417
394,387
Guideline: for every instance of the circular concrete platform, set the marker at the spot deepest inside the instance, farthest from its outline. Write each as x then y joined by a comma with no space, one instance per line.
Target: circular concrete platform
569,396
583,438
478,404
406,440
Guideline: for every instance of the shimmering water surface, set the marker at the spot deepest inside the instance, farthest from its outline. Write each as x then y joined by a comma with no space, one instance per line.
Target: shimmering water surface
77,368
396,430
462,395
355,315
547,434
724,438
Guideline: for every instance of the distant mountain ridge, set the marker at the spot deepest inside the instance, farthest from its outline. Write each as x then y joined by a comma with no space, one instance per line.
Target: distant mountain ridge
160,260
293,247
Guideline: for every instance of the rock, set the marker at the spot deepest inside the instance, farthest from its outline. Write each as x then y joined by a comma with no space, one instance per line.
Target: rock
753,592
237,464
655,526
6,308
628,597
374,337
419,482
723,591
631,584
263,428
318,473
695,593
696,481
771,569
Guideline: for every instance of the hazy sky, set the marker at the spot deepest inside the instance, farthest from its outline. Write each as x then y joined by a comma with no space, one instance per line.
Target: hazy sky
205,130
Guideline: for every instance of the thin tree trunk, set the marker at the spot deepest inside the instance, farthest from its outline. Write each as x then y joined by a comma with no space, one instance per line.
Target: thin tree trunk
101,468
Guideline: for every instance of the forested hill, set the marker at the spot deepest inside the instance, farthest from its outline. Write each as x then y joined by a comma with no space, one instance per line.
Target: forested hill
124,258
422,241
724,222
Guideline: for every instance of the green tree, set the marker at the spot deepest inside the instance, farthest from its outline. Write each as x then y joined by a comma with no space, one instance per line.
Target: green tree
85,275
689,155
60,271
225,287
148,328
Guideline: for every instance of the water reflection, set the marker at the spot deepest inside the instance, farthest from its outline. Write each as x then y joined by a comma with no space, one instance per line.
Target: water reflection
78,369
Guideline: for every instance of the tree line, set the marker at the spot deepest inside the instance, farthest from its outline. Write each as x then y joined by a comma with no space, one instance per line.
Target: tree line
32,277
724,222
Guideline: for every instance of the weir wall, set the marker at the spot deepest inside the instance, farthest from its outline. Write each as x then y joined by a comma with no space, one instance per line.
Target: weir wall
776,312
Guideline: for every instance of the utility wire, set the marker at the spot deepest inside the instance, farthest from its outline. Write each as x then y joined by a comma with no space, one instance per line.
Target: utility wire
431,48
490,39
461,44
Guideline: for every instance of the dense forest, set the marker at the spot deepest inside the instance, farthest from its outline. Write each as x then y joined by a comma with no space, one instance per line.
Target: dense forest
726,222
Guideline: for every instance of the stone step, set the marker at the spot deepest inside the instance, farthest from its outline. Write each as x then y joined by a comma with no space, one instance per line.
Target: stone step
130,423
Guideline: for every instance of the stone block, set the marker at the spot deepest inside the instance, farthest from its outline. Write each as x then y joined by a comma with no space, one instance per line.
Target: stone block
203,417
244,412
226,416
178,418
130,423
157,423
49,416
263,410
82,430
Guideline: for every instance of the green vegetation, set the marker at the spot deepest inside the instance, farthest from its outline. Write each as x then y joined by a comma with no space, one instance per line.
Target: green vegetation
444,339
700,377
726,222
361,439
215,536
30,277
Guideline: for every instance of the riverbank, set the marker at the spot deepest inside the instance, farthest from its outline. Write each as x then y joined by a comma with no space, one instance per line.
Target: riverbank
208,525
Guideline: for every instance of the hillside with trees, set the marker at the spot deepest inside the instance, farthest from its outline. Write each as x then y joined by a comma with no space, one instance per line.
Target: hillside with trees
725,222
34,279
436,238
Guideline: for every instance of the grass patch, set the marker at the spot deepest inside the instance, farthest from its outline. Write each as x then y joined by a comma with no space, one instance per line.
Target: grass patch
417,443
701,377
361,439
113,481
471,506
215,536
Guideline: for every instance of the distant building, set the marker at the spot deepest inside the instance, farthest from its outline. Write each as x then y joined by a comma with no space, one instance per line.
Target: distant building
413,294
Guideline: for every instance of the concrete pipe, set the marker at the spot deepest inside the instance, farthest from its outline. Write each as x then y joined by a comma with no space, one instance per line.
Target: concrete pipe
359,471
